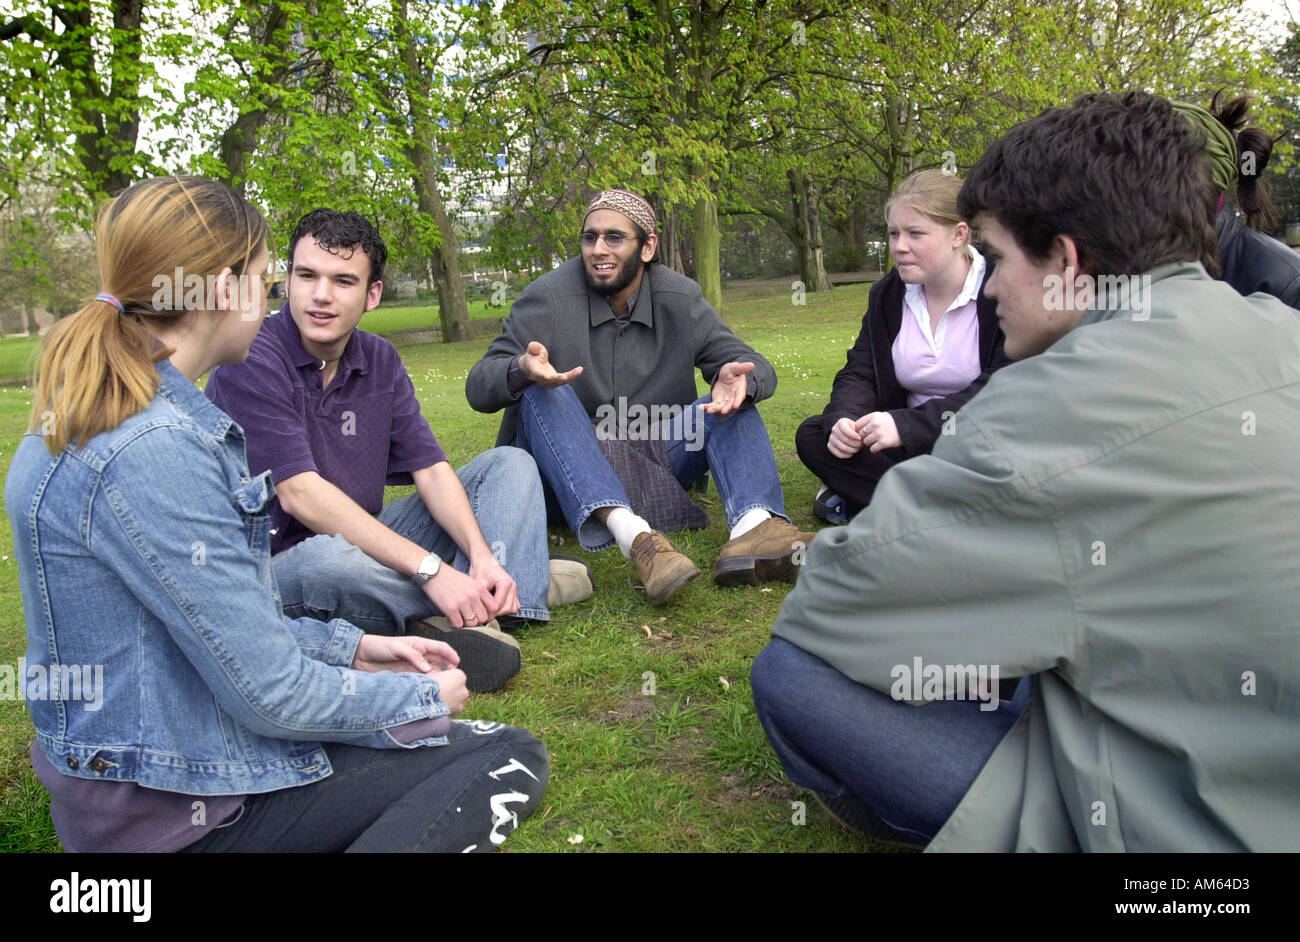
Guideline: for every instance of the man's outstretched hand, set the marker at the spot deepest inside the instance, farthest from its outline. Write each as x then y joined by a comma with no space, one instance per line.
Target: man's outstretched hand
730,388
536,365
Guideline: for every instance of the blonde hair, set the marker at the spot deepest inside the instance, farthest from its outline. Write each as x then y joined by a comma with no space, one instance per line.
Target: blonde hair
932,193
97,366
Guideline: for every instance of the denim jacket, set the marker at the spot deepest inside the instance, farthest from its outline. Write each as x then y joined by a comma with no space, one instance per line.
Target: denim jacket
146,553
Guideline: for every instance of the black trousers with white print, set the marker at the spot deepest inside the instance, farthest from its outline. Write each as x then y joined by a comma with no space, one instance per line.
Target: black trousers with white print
468,795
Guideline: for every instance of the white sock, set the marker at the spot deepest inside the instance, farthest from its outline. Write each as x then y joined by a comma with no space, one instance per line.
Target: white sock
626,527
748,520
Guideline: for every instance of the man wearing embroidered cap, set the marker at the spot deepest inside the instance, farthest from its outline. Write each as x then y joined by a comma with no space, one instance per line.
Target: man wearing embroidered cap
629,335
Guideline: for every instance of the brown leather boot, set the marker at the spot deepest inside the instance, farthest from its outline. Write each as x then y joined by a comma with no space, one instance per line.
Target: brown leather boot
771,552
663,571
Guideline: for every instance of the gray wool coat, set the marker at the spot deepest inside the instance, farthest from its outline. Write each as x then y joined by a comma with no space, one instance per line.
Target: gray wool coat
651,360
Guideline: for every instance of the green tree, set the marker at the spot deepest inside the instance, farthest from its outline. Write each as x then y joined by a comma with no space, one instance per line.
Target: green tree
72,76
327,106
658,96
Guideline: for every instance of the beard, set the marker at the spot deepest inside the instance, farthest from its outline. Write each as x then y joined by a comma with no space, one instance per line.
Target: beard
625,276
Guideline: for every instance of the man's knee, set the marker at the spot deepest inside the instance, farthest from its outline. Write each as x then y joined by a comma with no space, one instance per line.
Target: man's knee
321,560
513,464
537,396
523,752
531,753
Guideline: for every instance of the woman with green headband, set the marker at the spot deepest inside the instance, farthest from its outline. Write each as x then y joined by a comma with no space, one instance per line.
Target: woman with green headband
1251,260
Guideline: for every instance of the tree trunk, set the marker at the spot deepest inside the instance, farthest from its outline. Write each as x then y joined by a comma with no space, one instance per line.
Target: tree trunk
816,246
453,311
807,231
237,142
240,139
855,253
708,266
852,228
29,315
670,242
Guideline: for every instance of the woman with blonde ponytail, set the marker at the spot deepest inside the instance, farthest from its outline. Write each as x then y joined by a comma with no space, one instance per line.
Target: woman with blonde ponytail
175,707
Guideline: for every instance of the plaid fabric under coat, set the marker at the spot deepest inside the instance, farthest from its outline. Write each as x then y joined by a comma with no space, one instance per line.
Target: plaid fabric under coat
647,477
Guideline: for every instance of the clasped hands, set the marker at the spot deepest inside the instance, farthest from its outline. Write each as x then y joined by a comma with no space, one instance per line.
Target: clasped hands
875,430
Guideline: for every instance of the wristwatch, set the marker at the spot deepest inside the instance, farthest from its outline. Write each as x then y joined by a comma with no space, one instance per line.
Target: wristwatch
429,567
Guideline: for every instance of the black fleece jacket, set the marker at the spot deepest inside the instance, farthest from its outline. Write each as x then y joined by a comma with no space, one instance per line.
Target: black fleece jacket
867,383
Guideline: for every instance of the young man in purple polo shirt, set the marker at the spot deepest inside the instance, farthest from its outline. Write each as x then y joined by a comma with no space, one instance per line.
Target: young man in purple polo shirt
330,410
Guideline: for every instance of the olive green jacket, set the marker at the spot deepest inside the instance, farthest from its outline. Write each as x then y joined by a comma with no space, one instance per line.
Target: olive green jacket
1120,517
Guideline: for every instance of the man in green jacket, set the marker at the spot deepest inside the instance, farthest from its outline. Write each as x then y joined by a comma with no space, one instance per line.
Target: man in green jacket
1115,519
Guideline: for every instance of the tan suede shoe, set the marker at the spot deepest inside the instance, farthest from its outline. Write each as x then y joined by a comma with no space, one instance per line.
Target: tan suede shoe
663,571
570,581
771,552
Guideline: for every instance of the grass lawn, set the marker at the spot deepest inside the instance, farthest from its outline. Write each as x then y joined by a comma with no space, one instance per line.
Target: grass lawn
389,317
17,357
686,767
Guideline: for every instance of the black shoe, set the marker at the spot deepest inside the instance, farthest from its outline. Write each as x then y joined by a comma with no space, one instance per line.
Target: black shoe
488,656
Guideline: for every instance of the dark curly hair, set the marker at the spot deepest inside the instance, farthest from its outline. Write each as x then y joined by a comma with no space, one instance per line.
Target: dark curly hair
1123,175
335,232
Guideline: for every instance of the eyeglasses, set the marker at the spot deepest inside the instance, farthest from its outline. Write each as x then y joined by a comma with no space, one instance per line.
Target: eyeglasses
613,238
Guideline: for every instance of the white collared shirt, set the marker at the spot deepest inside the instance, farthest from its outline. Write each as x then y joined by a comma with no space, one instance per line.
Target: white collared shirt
914,301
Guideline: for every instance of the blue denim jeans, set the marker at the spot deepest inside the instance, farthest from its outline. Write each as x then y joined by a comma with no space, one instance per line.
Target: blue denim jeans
327,577
556,430
910,764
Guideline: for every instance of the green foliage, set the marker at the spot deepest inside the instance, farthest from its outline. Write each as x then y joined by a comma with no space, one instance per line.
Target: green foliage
511,115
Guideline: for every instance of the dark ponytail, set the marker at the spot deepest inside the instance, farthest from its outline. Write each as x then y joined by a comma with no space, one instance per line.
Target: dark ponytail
1254,147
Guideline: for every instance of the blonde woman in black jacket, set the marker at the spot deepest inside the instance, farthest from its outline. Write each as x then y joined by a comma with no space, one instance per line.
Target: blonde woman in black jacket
929,342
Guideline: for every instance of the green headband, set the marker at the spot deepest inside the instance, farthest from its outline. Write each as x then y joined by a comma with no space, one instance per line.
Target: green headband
1220,146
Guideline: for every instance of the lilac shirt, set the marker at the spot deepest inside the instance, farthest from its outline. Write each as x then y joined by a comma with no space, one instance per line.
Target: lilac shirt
123,817
946,361
364,432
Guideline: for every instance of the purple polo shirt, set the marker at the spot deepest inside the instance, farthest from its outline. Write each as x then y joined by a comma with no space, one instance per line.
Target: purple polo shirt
362,433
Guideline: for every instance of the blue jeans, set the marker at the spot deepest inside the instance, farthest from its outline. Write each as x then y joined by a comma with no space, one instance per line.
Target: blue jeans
555,429
910,764
327,577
